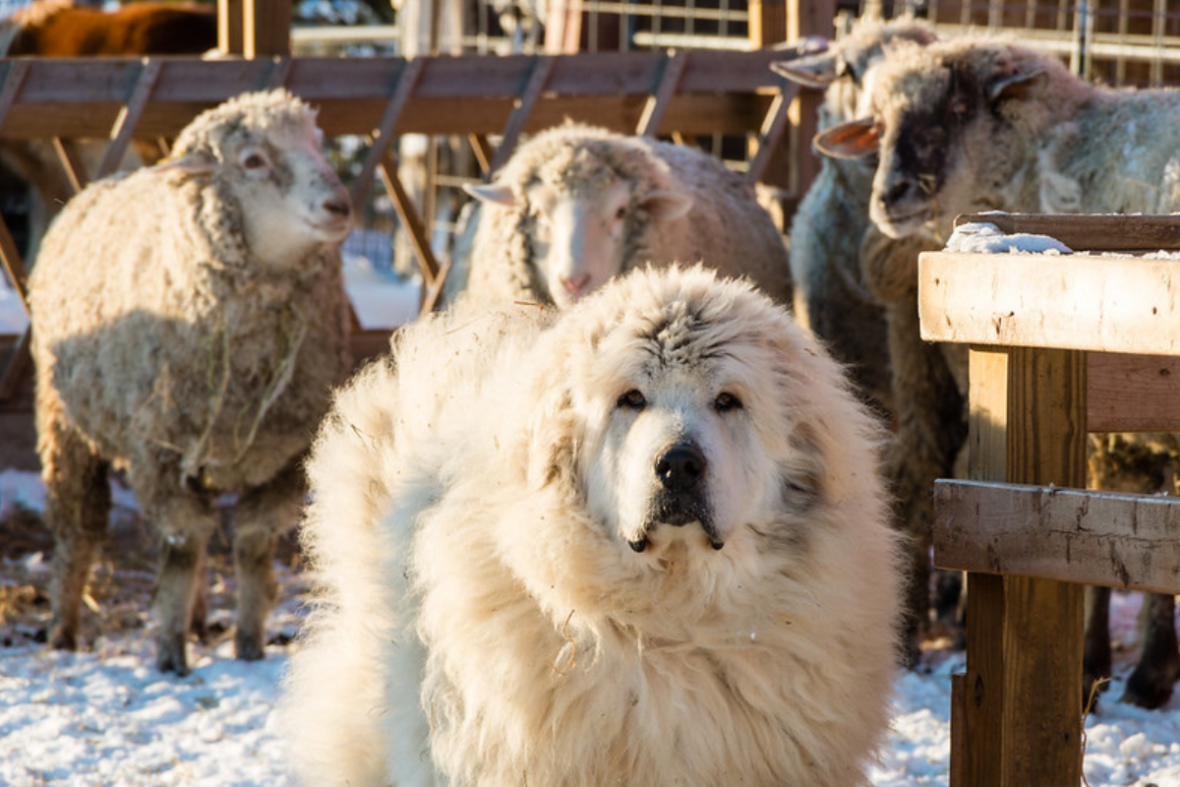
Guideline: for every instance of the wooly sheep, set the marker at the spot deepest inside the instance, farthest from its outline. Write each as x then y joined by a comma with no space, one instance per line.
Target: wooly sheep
868,322
576,205
986,124
638,541
188,322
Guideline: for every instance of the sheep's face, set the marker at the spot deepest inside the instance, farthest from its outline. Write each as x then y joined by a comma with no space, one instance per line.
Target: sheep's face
579,231
941,131
291,198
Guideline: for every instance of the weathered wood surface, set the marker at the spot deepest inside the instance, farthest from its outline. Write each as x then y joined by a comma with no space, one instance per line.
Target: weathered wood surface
1097,538
717,92
1078,302
1090,231
1132,393
1019,704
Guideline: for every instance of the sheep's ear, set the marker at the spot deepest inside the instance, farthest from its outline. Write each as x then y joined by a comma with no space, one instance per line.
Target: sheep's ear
851,140
817,71
664,205
1020,86
193,163
493,193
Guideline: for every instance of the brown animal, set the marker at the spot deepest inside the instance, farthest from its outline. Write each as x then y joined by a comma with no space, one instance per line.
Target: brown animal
58,28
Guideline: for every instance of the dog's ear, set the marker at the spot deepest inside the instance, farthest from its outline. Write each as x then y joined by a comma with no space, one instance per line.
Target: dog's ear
553,431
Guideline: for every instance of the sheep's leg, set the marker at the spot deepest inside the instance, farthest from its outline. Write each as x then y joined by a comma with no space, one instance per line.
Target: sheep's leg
1096,658
199,624
261,516
1150,685
77,509
930,431
186,522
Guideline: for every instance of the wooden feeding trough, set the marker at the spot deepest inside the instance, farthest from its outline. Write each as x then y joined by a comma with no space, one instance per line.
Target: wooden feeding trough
1060,346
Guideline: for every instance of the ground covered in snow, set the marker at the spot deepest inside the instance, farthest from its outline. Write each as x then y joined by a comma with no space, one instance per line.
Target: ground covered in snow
106,717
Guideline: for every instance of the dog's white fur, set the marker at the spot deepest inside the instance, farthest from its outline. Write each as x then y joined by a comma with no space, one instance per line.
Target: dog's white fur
484,618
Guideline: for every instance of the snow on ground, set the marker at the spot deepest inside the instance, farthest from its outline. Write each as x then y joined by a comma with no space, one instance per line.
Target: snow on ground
106,717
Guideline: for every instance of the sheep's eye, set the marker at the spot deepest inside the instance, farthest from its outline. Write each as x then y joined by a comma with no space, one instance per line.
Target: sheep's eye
632,400
725,402
254,161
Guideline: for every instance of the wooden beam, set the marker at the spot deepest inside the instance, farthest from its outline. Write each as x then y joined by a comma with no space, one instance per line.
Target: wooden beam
124,128
806,18
771,134
1097,538
71,161
530,91
266,28
1089,232
230,27
658,102
1112,304
409,218
1021,717
403,88
1132,393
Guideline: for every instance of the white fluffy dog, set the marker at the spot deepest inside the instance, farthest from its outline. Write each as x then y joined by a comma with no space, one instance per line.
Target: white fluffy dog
640,542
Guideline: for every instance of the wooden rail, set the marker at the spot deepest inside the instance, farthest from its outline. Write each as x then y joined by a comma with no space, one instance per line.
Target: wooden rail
1048,336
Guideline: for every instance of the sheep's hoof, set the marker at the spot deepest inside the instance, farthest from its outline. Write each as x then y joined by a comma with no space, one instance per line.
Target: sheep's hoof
60,639
249,647
1149,687
171,655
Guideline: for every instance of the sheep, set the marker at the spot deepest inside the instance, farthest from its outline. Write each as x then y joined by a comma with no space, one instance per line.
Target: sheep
987,124
577,204
867,322
189,320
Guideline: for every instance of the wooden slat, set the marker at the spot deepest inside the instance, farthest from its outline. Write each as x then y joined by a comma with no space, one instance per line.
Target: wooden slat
1113,304
1090,232
483,151
659,101
771,134
15,72
124,127
1097,538
407,79
71,161
537,80
1133,393
409,218
1024,656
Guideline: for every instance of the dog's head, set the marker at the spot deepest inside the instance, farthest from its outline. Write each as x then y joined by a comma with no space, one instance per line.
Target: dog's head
685,409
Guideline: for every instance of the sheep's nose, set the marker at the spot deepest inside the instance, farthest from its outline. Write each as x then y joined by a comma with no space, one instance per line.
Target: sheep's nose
681,467
338,205
575,286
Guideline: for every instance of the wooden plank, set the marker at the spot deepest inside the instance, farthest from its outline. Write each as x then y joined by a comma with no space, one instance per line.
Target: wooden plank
266,28
1077,302
658,102
1022,724
230,40
1132,393
1097,538
15,72
483,151
409,218
1090,232
770,136
538,78
956,778
806,18
124,127
380,138
71,161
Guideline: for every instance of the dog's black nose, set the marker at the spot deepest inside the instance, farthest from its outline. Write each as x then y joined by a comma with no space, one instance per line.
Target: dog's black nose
681,467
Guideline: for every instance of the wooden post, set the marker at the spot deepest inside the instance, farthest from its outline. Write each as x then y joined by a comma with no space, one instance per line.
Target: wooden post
806,18
266,27
1021,695
229,27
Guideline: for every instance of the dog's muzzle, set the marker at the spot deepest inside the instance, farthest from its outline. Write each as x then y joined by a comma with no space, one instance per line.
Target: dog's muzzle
681,499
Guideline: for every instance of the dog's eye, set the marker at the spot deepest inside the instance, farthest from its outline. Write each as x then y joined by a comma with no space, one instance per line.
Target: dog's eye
725,402
633,400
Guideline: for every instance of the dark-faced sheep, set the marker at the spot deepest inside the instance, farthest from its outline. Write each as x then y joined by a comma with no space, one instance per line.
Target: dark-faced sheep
577,205
870,322
986,124
188,322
